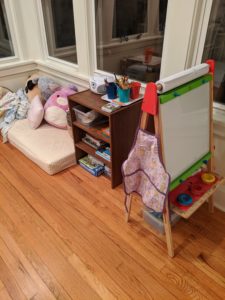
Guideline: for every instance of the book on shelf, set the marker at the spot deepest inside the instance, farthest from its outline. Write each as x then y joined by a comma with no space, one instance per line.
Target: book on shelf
105,131
92,165
107,171
95,143
110,107
105,153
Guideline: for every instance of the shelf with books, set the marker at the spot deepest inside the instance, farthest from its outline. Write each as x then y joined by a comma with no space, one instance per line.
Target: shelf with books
90,150
118,132
94,131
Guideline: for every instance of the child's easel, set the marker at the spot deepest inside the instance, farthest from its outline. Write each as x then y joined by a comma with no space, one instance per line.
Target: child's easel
153,108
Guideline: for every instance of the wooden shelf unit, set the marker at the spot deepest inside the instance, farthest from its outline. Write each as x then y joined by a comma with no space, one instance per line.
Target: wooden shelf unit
122,123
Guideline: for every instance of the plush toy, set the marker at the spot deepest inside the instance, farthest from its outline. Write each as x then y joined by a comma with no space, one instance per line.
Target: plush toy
42,86
57,106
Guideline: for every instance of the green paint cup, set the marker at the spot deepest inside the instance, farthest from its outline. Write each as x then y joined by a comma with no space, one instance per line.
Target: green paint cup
124,95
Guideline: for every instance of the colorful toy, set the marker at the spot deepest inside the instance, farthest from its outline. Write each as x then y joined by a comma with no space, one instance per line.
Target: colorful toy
56,107
208,178
42,86
184,199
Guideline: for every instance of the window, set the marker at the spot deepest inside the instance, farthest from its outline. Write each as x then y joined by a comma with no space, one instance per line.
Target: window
215,47
6,47
60,29
129,37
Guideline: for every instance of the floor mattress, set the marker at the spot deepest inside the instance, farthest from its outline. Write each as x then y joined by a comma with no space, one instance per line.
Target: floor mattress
50,148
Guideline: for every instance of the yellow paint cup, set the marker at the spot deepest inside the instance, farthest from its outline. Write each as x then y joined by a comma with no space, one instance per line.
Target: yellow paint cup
208,178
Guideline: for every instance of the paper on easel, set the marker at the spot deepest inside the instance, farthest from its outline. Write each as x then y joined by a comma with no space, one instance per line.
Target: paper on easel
182,77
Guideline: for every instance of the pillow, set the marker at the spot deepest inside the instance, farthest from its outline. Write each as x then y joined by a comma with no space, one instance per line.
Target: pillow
56,107
35,113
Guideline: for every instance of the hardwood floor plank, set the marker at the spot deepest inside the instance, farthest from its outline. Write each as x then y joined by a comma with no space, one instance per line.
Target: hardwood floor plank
27,267
4,295
17,268
188,262
10,283
183,283
1,285
88,274
35,261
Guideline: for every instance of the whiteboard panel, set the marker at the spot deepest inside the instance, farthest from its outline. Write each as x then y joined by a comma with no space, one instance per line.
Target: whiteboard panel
185,129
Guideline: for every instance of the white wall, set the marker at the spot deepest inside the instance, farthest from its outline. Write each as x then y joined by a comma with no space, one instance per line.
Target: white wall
15,77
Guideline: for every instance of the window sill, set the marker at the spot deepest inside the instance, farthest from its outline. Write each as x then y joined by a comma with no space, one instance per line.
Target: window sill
114,43
13,66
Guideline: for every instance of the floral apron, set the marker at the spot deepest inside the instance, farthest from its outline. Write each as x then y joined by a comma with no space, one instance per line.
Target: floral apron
144,172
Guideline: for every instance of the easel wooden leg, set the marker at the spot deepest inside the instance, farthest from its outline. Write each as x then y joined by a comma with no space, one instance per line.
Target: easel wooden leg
129,202
168,232
211,204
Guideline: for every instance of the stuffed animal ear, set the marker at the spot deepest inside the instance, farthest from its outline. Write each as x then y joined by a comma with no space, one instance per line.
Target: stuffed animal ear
73,87
31,84
67,91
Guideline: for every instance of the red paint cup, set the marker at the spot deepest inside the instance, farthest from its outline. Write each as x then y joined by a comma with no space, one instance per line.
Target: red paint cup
135,90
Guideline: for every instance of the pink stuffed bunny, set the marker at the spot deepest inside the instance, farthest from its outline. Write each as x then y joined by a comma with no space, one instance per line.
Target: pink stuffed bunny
56,107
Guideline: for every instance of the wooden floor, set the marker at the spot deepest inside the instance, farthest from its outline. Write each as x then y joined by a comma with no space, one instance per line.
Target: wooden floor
64,237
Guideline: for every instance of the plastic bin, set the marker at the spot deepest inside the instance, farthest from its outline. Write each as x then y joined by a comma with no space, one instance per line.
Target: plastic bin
85,115
156,221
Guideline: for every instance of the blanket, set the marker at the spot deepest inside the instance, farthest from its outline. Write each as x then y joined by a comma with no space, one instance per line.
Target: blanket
13,106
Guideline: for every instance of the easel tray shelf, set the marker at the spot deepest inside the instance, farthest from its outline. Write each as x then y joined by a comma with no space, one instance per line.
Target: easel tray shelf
195,206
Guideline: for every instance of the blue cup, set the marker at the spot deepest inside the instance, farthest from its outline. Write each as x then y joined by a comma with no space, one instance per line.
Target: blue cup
124,95
111,90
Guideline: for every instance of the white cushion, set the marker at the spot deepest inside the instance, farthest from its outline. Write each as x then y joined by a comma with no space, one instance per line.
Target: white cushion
50,148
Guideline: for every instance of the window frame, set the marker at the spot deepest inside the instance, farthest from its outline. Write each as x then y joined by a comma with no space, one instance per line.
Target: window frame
110,41
8,10
83,69
57,52
200,48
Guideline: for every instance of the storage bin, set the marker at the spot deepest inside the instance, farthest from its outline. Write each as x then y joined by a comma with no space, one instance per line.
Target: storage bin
85,115
156,221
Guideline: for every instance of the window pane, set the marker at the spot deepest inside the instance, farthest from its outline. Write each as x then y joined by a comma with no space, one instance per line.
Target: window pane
60,29
6,47
128,24
129,37
215,47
